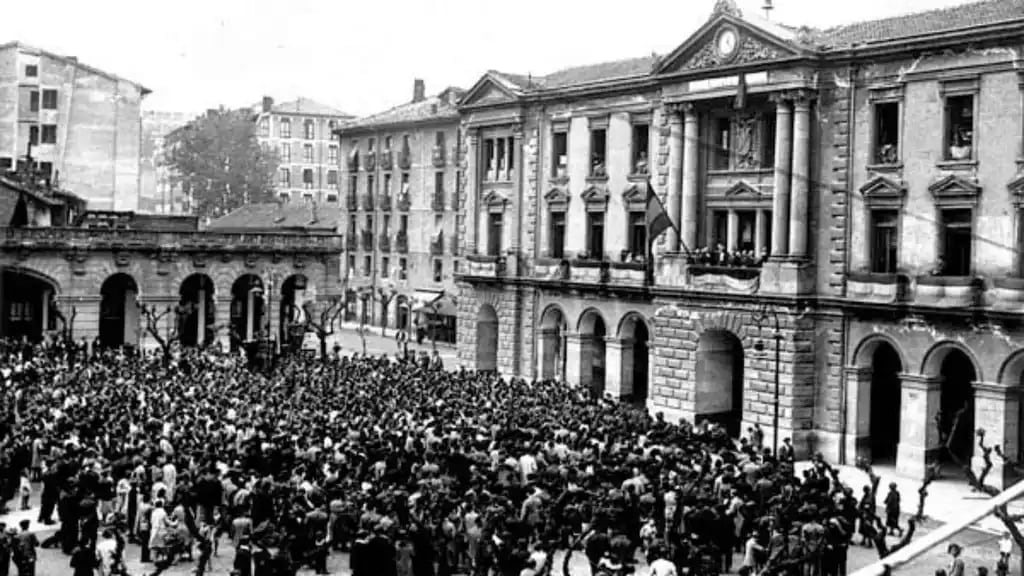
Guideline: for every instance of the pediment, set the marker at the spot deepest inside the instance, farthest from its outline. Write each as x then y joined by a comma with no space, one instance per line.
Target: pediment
635,196
1016,188
595,195
488,90
955,189
753,45
883,188
557,196
494,198
743,190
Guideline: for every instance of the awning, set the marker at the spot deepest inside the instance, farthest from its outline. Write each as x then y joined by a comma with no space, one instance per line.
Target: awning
428,301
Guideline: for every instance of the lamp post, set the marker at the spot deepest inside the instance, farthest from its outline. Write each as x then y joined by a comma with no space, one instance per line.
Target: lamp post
764,314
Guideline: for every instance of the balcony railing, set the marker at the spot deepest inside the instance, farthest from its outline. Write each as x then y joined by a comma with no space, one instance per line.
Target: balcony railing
384,243
402,243
367,201
437,201
351,202
681,271
949,291
127,239
437,246
371,161
404,203
437,156
405,159
367,240
387,160
874,287
485,266
1006,294
384,202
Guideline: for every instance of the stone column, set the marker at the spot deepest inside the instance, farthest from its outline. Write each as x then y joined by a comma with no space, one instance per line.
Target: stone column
675,174
857,441
920,400
250,301
200,317
783,167
471,189
732,233
997,411
131,318
577,366
223,317
45,311
761,240
691,154
801,182
614,350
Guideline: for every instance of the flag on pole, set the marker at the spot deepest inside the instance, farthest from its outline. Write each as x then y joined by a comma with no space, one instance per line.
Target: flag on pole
657,217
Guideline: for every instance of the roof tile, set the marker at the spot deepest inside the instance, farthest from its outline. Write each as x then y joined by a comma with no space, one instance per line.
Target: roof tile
279,217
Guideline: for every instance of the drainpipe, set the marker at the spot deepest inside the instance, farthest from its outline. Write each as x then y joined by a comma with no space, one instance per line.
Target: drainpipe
844,408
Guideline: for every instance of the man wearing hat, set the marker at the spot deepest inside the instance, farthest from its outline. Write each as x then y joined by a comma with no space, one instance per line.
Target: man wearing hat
25,550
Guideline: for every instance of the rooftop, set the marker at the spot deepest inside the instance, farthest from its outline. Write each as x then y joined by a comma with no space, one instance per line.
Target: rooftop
437,107
72,60
304,106
281,217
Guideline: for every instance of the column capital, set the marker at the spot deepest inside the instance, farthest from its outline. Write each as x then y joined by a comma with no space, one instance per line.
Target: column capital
679,109
802,100
782,101
614,341
574,337
859,372
517,130
994,391
920,382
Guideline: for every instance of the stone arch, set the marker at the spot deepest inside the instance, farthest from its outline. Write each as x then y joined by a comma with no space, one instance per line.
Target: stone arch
592,329
635,333
119,311
957,370
551,342
936,355
32,272
29,303
718,375
876,382
588,319
294,292
730,321
1011,373
487,338
863,354
198,310
247,309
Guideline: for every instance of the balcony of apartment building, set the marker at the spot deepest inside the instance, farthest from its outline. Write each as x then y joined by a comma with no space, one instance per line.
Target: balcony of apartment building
367,240
367,201
405,154
485,266
384,242
402,242
387,159
437,245
351,200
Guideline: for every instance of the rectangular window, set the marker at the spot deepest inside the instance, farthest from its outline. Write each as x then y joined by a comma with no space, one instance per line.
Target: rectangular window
768,141
284,128
439,190
386,225
638,234
385,266
386,190
719,230
331,127
285,177
33,135
387,143
557,236
595,235
370,144
309,129
403,268
307,178
887,132
332,179
307,153
370,184
49,99
264,127
641,145
405,185
598,146
284,196
560,155
33,101
491,150
46,169
403,224
6,164
959,127
722,136
286,153
510,160
353,225
332,198
351,264
746,236
956,242
332,154
438,270
367,265
369,224
495,223
31,71
353,185
49,134
439,139
884,241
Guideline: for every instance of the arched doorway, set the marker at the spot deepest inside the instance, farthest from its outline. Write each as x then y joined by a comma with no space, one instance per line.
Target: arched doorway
28,308
402,314
292,313
552,344
119,312
884,426
247,309
592,349
956,409
195,323
487,339
719,380
635,359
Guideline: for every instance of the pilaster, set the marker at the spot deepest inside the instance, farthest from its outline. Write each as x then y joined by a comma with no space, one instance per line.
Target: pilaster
920,400
675,173
783,169
801,182
691,177
577,350
997,412
857,438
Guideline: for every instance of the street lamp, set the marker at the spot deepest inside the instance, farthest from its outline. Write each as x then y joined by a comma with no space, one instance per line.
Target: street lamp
763,314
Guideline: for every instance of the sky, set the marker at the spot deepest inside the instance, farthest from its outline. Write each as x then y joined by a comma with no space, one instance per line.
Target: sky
362,56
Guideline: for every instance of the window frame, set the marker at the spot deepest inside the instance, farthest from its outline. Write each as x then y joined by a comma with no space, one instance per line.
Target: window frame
308,154
495,242
638,122
636,241
559,129
35,100
46,105
597,134
596,219
31,70
309,129
874,226
284,128
959,88
332,179
310,182
557,250
48,129
285,151
943,238
285,177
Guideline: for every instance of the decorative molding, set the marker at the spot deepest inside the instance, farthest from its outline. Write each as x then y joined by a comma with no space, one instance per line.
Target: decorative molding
557,199
634,197
225,258
884,92
881,191
750,50
199,260
493,198
963,85
954,190
76,258
595,198
727,7
743,189
122,258
299,261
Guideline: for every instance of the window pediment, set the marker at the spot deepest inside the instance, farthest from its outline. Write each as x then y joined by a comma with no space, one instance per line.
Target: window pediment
635,197
742,190
1016,188
495,201
883,191
595,198
955,190
557,199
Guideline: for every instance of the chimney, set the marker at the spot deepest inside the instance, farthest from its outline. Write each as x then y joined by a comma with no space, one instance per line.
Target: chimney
268,103
419,90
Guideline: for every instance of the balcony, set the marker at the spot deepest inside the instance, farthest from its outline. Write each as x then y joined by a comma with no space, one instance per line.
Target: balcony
384,243
405,159
682,271
591,271
402,243
1006,294
484,266
874,287
367,237
437,156
437,201
367,202
437,246
403,202
949,291
350,201
387,160
384,202
371,161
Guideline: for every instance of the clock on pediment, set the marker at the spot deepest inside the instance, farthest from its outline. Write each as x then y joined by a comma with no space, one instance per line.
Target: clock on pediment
727,42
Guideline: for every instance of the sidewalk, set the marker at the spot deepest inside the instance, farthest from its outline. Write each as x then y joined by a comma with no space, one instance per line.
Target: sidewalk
350,341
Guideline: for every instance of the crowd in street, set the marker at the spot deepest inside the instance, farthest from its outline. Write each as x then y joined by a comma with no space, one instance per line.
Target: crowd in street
413,470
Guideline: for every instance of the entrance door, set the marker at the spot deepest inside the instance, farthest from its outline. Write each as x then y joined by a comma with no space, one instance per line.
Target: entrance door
885,404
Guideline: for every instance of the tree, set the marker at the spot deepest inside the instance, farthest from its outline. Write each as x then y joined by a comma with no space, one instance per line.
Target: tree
153,317
219,163
322,324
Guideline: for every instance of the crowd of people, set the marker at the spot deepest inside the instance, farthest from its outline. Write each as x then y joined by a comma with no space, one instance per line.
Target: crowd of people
720,256
410,469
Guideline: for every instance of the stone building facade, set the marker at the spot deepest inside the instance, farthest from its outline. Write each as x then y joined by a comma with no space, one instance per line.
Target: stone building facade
846,267
400,174
82,123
